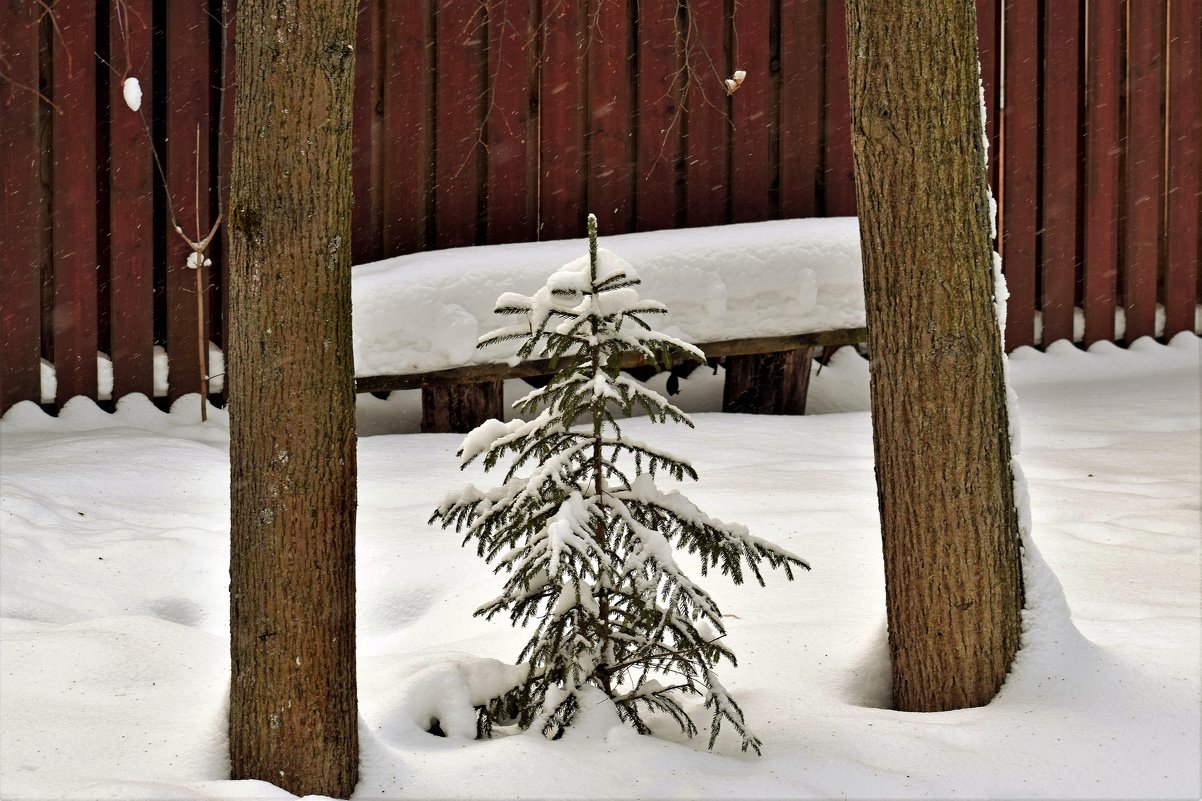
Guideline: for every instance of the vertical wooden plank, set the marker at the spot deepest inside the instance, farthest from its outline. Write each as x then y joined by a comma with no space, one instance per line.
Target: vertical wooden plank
768,383
458,408
562,121
408,124
611,132
1058,204
839,182
802,102
216,301
74,216
707,135
1142,197
459,90
227,88
751,117
1020,168
188,178
1103,146
1185,166
131,203
20,262
658,115
989,28
366,220
512,135
462,33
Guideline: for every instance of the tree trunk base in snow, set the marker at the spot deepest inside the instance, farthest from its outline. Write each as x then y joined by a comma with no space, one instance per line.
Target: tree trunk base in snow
941,430
458,408
768,383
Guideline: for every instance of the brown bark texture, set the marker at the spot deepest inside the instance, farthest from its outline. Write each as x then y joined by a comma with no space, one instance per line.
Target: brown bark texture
293,712
940,428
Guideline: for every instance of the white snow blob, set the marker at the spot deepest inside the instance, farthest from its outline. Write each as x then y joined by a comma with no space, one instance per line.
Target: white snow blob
131,90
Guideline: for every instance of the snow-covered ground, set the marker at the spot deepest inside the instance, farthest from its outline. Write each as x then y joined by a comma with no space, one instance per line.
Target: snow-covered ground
113,579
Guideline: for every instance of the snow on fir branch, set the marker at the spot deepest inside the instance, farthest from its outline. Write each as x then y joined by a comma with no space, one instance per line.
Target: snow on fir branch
585,538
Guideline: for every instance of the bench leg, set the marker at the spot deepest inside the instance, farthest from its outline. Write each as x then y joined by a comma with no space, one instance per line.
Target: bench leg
768,383
458,408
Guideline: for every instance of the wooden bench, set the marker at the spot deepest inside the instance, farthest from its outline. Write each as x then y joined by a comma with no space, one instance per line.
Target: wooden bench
736,290
764,375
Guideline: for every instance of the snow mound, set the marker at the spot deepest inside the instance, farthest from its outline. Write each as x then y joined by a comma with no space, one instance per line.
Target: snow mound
406,697
133,411
425,311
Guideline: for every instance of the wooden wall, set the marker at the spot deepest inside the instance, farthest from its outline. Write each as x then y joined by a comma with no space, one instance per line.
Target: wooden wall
484,121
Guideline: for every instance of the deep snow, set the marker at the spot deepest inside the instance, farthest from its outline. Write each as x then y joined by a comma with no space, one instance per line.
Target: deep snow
113,609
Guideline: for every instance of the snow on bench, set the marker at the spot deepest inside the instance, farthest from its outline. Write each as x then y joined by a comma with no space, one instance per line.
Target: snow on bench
420,314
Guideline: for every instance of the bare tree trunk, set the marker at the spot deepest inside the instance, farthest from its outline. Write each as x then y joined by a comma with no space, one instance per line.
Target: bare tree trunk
293,712
940,426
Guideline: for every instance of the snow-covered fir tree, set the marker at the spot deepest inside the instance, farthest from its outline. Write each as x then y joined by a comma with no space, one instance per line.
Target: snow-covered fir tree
586,538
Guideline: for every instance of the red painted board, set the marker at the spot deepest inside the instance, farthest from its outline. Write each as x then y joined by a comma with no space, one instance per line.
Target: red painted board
1143,202
228,94
74,187
227,85
20,208
407,147
187,87
458,137
611,130
802,100
1104,59
131,202
366,220
562,125
1021,169
368,134
989,16
839,181
1185,166
512,134
1060,195
751,114
658,115
707,135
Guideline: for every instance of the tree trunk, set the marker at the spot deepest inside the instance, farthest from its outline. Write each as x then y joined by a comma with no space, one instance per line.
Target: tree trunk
940,424
293,710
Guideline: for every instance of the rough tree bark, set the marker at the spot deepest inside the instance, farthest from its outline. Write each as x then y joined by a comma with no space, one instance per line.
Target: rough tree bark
940,427
293,709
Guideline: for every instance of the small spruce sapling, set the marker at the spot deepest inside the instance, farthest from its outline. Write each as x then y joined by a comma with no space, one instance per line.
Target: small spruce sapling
586,537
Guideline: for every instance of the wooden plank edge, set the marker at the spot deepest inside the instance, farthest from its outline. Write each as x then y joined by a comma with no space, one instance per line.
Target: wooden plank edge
539,367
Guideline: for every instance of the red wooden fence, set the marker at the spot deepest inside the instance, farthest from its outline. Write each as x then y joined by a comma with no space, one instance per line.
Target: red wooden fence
483,121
